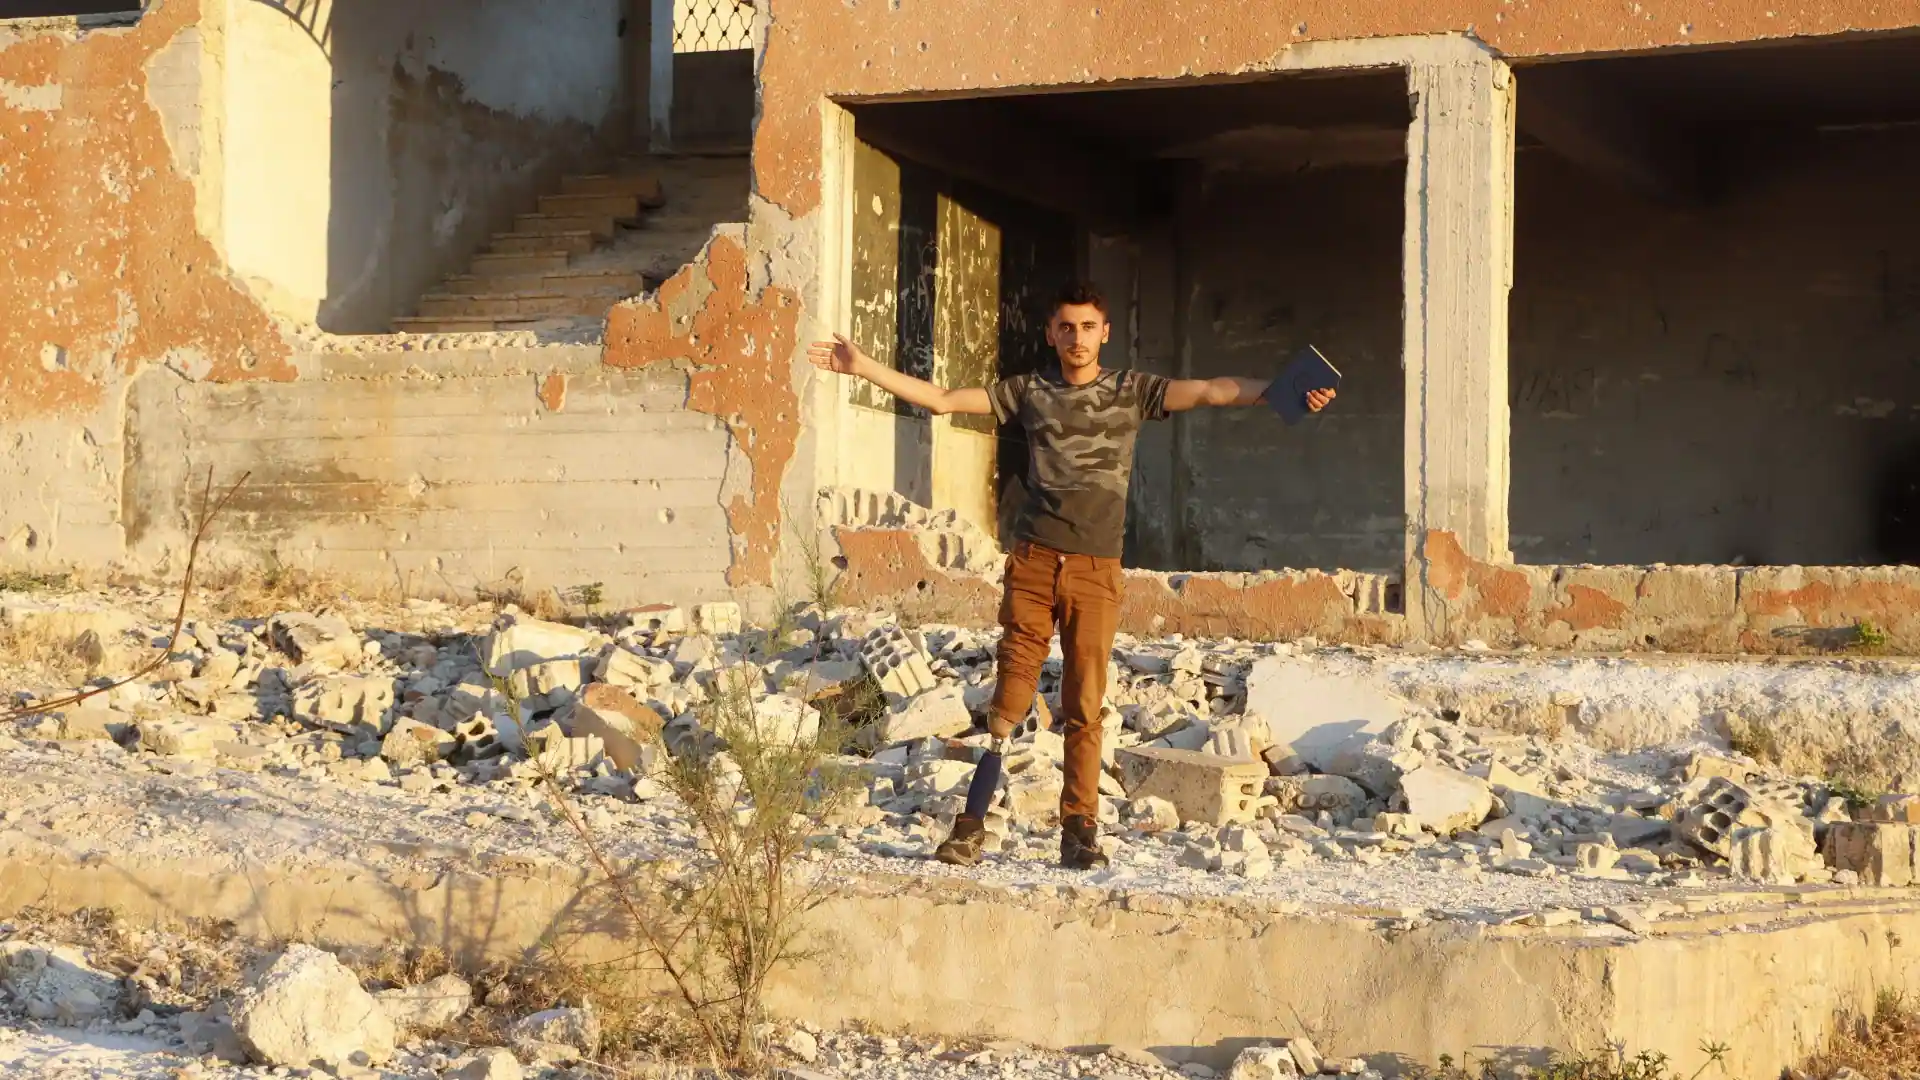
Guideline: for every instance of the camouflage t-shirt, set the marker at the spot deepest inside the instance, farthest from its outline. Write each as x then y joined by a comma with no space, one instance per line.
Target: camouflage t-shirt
1081,440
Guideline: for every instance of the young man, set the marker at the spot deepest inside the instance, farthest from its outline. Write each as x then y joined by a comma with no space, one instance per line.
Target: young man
1064,569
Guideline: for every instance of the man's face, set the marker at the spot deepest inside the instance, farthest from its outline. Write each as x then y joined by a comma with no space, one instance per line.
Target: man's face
1076,333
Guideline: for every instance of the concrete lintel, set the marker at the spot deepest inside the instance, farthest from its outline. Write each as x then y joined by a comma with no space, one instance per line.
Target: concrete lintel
1380,52
1457,271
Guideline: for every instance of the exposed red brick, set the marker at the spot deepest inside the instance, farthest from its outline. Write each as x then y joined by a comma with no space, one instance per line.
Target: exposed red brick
1447,564
886,568
740,348
553,391
1587,608
1503,591
103,257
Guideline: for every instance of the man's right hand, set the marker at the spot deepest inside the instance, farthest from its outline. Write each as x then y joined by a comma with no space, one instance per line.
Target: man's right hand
839,356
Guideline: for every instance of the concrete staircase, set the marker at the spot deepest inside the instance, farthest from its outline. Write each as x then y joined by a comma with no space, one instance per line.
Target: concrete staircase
597,241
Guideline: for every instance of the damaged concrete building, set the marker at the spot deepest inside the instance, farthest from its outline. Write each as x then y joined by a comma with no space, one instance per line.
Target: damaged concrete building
1628,301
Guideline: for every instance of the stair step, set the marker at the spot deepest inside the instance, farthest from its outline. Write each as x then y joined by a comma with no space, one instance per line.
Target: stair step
519,262
455,324
643,186
617,283
573,242
622,207
599,225
514,305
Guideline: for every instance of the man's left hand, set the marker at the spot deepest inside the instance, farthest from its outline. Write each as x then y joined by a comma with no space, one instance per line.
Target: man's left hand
1318,399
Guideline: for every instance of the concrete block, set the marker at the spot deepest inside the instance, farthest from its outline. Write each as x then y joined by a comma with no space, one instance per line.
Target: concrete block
1901,809
93,723
476,738
718,619
624,726
181,736
658,619
1201,787
780,718
1711,765
1150,814
1721,808
347,704
940,713
1595,857
1315,715
321,640
898,662
1688,593
1880,852
624,667
554,750
1780,854
411,742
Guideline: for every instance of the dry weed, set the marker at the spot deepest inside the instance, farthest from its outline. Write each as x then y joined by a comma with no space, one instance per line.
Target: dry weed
1885,1044
240,590
35,649
188,966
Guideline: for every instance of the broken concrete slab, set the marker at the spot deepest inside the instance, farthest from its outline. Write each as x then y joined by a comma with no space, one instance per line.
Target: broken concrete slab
1445,799
1201,787
940,712
346,704
624,726
526,642
576,1030
1315,714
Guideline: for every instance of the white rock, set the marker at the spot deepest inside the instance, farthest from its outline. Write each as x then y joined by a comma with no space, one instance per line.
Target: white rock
308,1007
1305,1054
1446,800
490,1063
578,1030
1151,814
1264,1063
181,736
624,667
324,641
803,1045
783,719
429,1006
719,619
55,982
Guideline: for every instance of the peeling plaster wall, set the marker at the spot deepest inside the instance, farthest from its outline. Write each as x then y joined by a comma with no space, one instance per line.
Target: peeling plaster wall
107,269
372,147
1739,383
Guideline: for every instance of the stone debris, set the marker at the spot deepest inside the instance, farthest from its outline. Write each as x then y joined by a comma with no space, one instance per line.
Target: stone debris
624,726
937,713
489,1063
1201,787
309,1007
1880,853
56,983
557,1035
324,641
427,1007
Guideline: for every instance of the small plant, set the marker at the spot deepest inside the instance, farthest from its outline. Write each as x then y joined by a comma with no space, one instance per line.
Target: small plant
1868,635
1857,796
756,790
587,596
23,581
1755,741
1612,1064
1887,1043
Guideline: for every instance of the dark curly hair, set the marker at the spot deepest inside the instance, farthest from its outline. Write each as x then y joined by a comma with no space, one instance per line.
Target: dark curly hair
1078,292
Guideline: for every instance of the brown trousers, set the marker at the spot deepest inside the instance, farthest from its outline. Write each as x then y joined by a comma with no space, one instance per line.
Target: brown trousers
1081,594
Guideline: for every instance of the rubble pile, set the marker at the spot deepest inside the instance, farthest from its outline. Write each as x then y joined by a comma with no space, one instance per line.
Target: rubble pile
1221,757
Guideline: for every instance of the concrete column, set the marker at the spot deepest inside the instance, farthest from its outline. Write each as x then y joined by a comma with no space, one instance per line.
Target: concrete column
660,81
1458,269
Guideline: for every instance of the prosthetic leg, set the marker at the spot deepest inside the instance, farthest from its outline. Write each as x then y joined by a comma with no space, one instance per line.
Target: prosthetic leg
970,828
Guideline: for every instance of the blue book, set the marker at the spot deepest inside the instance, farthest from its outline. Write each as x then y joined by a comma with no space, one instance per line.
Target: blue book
1307,371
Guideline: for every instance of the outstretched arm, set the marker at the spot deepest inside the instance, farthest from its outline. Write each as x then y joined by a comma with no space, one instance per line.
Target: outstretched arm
844,357
1184,394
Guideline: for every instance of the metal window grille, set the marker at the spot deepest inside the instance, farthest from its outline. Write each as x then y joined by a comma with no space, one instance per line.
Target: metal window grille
713,25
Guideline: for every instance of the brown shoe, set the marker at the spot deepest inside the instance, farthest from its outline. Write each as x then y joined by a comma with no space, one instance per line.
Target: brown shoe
962,847
1080,844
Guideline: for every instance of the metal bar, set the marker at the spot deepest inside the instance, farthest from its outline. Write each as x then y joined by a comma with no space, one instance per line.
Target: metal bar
660,79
